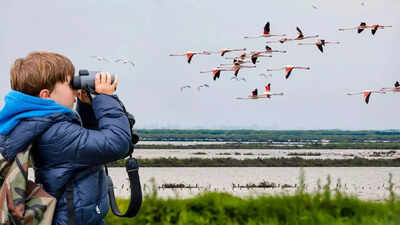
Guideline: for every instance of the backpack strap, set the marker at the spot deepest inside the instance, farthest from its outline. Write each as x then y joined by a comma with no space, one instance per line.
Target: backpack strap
69,196
24,173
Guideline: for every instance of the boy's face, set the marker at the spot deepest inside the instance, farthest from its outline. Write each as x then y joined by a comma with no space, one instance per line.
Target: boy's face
63,94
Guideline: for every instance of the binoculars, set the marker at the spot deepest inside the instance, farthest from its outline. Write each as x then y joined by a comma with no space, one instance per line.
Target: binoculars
85,80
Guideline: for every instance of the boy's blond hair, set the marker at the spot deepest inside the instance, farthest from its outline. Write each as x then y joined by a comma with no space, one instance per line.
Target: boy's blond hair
40,70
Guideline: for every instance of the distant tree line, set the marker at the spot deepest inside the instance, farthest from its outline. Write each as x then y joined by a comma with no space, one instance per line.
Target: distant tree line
264,145
269,135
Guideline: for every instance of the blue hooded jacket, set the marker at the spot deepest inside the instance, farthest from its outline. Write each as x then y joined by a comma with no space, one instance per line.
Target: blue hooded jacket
64,149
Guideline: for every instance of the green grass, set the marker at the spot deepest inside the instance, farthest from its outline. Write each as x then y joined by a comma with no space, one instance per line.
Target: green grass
323,207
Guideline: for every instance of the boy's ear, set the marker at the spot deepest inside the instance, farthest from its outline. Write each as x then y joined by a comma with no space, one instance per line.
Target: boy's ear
44,93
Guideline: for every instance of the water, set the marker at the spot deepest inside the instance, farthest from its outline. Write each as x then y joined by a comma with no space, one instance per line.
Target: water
368,183
265,153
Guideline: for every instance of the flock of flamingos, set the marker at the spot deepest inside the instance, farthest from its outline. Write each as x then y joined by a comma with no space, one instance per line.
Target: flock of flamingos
246,59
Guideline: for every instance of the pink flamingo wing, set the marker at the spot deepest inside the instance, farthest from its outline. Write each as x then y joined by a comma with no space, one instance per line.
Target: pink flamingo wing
236,71
266,28
367,95
216,74
189,57
268,87
288,72
319,46
254,93
299,33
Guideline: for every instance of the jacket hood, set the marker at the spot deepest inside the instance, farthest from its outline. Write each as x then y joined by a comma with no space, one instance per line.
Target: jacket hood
20,106
25,117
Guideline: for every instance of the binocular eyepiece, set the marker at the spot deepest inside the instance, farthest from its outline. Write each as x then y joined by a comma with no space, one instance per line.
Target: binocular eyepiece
85,80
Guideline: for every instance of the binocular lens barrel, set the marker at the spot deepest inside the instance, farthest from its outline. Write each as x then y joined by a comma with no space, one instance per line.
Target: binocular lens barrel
85,80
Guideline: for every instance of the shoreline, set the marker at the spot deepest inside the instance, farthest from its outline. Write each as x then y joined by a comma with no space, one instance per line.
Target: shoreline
261,162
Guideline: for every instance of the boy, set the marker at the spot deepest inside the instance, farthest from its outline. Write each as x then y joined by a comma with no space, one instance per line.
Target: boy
38,110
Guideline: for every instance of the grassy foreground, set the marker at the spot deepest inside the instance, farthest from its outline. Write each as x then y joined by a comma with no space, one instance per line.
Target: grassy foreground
323,207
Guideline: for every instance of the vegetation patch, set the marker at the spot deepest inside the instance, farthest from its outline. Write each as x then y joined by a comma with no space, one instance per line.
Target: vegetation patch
262,162
323,207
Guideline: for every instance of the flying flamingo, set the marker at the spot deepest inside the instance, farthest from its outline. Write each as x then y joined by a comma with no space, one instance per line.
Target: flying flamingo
266,33
216,72
375,27
359,28
254,57
268,92
223,51
269,49
245,55
203,85
242,55
236,68
189,55
100,58
288,69
396,88
320,43
186,86
300,36
235,62
367,94
364,26
254,93
124,61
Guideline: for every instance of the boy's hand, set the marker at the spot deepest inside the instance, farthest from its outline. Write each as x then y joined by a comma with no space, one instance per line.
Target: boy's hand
83,97
103,84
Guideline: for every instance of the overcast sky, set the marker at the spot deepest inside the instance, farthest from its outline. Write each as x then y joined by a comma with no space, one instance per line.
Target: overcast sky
148,31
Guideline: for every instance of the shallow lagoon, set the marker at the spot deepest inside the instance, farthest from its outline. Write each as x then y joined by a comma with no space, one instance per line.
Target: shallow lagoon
369,183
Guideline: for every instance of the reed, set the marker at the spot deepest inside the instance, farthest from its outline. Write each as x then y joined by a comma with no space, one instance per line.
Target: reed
325,206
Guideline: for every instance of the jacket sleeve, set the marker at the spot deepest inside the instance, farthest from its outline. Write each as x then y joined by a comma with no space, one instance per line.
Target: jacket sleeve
93,147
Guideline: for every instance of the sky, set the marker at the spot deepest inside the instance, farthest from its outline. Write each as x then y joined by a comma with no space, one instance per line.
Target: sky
146,32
